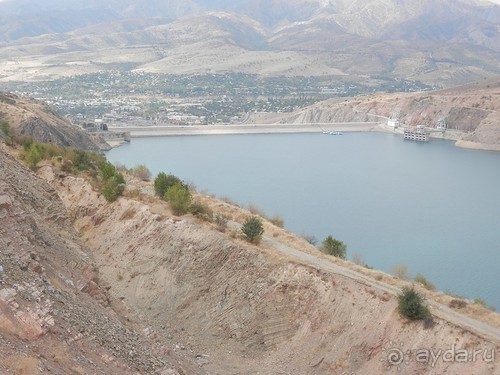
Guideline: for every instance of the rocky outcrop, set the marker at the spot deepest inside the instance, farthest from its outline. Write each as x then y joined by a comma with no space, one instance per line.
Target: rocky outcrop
62,135
35,119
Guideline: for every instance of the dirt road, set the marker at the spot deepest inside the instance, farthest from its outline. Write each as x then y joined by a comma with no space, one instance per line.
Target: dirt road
437,309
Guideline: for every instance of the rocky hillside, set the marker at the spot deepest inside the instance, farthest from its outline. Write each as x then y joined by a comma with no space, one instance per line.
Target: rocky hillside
472,113
240,308
29,117
89,286
56,314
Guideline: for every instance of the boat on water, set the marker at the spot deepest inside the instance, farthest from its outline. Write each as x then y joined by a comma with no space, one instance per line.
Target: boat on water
333,133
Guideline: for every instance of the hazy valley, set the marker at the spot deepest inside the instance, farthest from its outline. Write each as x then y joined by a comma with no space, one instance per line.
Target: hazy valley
435,42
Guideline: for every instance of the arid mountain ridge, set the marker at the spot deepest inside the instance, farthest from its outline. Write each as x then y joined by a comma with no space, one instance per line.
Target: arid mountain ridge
438,42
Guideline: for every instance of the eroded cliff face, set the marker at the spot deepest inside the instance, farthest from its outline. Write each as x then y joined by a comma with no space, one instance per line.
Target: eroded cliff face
238,308
56,315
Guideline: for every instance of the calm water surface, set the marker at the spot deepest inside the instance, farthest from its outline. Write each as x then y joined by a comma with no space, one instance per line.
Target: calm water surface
433,207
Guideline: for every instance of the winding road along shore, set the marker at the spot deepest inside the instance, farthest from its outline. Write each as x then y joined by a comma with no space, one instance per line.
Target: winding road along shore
475,326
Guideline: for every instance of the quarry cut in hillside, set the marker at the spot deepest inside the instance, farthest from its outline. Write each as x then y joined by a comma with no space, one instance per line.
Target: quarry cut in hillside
240,308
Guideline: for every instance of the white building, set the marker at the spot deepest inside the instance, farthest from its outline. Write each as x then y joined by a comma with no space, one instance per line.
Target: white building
393,123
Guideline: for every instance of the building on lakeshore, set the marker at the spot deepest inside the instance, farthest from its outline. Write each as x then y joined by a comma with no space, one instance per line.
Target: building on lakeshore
420,134
393,123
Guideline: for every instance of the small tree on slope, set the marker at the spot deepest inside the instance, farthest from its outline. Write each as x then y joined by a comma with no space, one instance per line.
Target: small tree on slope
253,229
333,247
411,304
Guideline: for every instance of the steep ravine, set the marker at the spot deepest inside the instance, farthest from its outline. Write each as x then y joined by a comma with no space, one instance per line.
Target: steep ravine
242,309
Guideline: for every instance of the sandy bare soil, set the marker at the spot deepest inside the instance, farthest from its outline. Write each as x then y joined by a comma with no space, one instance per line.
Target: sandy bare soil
277,308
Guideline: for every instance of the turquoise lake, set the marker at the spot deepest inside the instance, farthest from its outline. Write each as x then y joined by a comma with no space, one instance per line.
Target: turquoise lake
432,207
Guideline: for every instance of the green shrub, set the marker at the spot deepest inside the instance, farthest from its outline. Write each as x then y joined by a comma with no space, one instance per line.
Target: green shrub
32,157
113,188
253,229
119,177
106,170
179,198
163,182
51,150
334,247
26,142
80,159
84,160
411,304
424,282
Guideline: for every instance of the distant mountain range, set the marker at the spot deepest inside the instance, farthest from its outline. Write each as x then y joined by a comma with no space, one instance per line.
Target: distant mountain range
443,42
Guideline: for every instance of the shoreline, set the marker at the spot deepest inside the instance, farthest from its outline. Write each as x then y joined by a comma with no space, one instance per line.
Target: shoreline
230,129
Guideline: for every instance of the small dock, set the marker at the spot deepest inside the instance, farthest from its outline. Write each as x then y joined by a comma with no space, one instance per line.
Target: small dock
418,135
